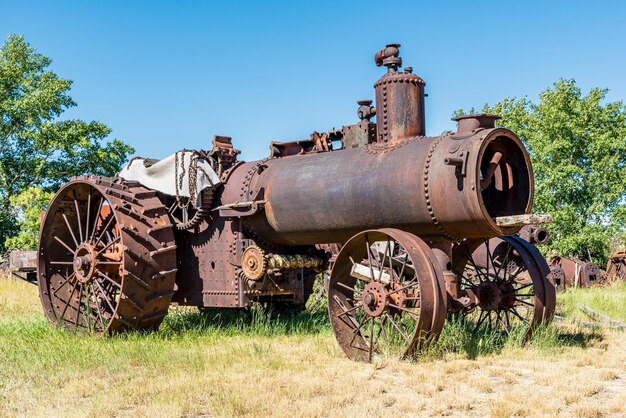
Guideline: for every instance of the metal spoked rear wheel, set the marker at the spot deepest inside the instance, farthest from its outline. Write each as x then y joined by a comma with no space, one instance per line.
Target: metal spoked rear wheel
107,259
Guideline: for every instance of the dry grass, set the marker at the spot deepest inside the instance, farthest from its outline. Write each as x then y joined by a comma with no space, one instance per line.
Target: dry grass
193,367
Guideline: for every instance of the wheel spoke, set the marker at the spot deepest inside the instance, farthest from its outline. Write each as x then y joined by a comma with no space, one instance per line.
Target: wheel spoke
347,311
95,222
524,302
505,262
111,217
345,286
471,260
357,330
110,280
514,312
64,244
88,215
481,318
415,314
371,339
105,297
393,323
414,282
69,228
109,245
93,292
517,289
67,279
80,227
69,299
80,298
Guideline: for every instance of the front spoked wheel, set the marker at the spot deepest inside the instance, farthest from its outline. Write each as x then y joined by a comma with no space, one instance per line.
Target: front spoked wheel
506,280
386,295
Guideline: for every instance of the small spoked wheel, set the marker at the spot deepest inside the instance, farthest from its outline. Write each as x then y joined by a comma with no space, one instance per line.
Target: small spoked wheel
107,260
386,295
506,281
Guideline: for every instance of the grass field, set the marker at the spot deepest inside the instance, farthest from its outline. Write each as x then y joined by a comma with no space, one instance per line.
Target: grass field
236,364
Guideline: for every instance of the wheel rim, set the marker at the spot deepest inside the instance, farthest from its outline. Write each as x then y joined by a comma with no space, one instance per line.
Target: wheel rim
98,260
398,310
507,281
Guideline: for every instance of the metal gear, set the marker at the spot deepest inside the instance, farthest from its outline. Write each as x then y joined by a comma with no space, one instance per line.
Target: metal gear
253,262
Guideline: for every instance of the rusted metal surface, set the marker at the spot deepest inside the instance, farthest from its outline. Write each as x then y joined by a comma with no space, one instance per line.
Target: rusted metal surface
534,234
420,217
577,273
616,266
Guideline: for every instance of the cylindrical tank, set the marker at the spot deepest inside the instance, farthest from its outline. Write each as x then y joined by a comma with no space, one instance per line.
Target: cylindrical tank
399,106
439,186
399,99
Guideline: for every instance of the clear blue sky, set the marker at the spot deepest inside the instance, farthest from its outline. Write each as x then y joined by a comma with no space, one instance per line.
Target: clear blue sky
170,75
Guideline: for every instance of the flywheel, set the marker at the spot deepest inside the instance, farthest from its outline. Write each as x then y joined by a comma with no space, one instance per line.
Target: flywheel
107,257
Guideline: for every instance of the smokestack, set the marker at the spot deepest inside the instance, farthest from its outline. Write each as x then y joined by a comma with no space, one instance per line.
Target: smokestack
399,99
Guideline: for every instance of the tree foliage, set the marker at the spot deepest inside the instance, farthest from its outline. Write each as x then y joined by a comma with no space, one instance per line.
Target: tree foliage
28,205
37,149
577,144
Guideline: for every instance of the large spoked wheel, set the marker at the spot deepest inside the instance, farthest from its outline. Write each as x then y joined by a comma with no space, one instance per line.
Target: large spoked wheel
386,295
506,280
107,259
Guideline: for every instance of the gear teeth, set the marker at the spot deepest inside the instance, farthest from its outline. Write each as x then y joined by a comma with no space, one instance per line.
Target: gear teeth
253,262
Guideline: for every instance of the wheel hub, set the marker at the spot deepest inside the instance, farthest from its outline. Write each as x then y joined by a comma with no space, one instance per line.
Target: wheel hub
84,263
374,299
489,295
507,295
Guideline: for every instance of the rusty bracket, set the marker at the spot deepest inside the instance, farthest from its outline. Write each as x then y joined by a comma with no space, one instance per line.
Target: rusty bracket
240,209
224,153
460,163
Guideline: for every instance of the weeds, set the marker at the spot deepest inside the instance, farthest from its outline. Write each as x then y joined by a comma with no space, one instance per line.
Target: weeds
229,363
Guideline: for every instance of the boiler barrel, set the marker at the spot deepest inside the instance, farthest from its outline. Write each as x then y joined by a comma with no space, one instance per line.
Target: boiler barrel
446,186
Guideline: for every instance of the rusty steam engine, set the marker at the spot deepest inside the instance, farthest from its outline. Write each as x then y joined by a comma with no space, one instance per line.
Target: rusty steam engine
413,214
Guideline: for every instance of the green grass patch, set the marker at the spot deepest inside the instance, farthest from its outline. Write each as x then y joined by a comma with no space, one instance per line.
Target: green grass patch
609,300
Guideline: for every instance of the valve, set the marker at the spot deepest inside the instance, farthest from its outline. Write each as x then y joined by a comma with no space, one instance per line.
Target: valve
389,57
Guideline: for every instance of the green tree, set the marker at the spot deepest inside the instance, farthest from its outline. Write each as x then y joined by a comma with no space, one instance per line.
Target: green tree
37,149
577,145
28,205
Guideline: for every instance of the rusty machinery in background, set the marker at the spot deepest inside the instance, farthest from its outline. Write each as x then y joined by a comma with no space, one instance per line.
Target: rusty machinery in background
415,213
564,272
576,272
616,266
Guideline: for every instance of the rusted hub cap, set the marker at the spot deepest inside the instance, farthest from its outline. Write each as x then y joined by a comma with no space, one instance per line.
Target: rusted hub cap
85,260
507,295
489,295
374,298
